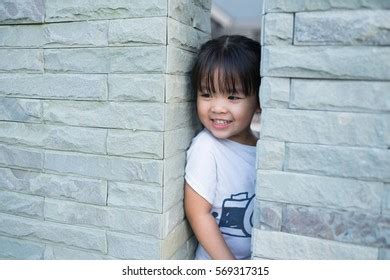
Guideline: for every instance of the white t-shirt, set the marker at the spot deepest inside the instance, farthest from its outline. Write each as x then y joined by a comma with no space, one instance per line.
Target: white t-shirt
223,172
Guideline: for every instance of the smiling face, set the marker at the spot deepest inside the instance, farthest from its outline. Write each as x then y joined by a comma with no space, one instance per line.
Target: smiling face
227,115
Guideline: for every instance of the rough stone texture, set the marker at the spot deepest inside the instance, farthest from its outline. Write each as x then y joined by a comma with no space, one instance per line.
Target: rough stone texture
386,201
278,29
17,249
64,253
106,60
54,137
176,57
270,154
110,218
280,245
76,10
138,87
139,31
140,144
319,191
190,14
68,86
21,204
327,28
124,246
146,116
342,62
179,140
183,36
274,92
22,11
343,226
328,128
105,167
268,215
178,115
308,5
384,254
35,230
359,163
179,236
21,157
132,196
178,89
336,95
70,34
23,60
25,110
55,186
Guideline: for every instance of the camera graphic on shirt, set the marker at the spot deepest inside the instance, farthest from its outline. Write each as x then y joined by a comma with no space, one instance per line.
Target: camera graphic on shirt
236,216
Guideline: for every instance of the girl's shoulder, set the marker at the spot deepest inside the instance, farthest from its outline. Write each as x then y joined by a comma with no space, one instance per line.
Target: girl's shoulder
204,139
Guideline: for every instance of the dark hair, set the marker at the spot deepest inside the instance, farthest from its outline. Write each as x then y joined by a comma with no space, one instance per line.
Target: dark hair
237,59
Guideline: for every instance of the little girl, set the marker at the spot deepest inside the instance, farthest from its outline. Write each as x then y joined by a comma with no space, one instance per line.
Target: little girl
220,171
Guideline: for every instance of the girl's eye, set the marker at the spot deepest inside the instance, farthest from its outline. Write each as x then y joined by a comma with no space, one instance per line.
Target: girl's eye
205,95
233,97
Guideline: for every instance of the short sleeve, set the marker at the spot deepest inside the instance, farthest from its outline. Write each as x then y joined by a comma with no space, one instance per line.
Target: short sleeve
201,171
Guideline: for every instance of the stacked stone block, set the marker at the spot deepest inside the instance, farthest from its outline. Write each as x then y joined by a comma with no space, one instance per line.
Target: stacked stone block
95,117
323,157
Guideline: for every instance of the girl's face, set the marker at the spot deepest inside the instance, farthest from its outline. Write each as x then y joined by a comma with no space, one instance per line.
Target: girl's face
228,115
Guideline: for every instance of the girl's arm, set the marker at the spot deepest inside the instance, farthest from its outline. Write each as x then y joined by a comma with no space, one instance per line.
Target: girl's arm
204,225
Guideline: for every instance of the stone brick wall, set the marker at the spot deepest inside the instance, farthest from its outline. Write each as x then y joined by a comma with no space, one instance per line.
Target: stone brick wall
323,187
95,118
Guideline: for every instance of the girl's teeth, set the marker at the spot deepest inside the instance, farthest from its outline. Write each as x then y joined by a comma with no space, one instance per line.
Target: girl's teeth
220,122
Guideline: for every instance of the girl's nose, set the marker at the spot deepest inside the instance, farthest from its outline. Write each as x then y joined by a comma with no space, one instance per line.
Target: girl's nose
218,107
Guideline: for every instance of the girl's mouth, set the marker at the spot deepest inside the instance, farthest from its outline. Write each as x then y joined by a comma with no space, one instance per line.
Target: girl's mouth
220,123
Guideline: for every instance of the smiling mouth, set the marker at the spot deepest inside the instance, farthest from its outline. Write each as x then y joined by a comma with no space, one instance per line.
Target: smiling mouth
220,123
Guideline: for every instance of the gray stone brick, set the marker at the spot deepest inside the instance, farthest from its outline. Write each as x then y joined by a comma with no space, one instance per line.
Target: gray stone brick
190,14
329,128
20,157
174,168
68,86
173,192
278,29
184,36
22,11
76,10
270,154
137,31
386,201
267,215
384,254
21,204
179,115
175,240
126,246
54,186
140,197
349,227
281,245
339,62
140,144
186,251
308,5
326,28
17,249
125,220
21,60
359,163
144,116
336,193
203,3
54,137
18,227
25,110
178,89
139,87
179,61
64,253
105,167
106,60
72,34
274,92
340,95
177,141
172,218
